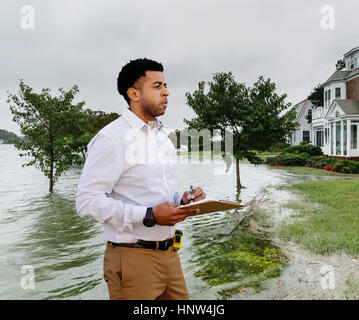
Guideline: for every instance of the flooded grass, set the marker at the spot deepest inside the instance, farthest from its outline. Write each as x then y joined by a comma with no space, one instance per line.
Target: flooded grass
331,227
242,260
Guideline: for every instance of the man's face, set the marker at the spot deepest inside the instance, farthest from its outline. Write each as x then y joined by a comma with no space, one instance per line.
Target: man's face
153,93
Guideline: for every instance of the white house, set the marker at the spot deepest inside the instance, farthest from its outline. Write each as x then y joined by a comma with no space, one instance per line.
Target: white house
304,131
335,125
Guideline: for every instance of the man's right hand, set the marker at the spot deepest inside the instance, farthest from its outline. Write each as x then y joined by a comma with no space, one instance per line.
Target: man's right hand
167,214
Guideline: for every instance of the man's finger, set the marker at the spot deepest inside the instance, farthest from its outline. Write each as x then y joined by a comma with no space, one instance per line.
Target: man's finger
197,192
187,211
201,197
173,205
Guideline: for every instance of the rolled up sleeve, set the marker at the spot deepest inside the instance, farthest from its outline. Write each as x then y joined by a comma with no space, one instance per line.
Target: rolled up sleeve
101,171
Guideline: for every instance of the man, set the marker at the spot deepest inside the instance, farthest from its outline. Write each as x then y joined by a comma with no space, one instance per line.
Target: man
127,184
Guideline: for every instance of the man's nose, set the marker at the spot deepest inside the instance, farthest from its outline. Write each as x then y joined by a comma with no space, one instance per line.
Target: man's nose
165,92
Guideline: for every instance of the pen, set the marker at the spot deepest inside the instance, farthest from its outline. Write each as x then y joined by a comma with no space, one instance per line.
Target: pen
191,192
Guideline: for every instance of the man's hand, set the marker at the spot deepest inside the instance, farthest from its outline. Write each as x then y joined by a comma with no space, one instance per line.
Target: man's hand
196,196
167,214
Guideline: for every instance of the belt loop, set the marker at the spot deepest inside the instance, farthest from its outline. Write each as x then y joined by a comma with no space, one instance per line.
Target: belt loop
157,245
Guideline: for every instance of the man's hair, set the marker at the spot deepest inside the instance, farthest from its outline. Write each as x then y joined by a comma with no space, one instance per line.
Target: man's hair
132,71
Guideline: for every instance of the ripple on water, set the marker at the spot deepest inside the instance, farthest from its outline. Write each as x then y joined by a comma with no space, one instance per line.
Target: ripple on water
66,251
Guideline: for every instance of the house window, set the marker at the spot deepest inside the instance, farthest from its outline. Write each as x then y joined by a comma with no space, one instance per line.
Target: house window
337,93
338,138
306,136
319,138
353,63
354,136
327,97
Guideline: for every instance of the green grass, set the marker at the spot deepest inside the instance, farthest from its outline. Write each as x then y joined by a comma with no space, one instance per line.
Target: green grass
331,227
308,171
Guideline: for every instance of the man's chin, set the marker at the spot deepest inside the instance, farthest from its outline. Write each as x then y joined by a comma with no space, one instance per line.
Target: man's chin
160,112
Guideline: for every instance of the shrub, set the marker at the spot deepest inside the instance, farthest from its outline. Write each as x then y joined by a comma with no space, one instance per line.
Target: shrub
347,170
354,166
308,148
339,166
287,160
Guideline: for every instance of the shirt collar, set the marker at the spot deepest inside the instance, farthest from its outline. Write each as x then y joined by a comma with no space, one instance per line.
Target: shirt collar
137,123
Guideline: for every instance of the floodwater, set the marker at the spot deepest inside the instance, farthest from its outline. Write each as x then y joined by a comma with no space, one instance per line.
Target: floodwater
41,233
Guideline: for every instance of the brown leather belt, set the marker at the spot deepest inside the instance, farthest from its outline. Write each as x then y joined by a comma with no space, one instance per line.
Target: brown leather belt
154,245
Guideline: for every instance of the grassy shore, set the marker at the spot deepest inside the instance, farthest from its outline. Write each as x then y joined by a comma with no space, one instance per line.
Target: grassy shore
309,171
331,227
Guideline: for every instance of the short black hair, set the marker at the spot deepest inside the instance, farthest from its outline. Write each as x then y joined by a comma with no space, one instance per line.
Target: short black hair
132,71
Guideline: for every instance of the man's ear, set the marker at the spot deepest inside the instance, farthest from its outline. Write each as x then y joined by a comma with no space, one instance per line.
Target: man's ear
133,94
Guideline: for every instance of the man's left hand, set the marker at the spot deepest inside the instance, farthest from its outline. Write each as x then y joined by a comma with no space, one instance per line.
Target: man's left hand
197,195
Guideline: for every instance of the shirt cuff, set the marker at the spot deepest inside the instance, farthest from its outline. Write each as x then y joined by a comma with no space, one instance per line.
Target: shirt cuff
138,214
178,197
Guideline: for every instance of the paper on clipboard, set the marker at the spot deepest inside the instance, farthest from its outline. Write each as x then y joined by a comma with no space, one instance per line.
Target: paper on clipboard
210,205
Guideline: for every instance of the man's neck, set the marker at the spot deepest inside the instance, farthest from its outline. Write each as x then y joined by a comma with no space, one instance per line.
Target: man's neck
149,120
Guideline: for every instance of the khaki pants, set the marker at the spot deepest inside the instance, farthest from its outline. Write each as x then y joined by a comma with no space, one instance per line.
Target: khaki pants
143,274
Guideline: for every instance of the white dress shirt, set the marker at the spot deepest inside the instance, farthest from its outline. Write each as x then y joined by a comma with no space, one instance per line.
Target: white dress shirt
129,167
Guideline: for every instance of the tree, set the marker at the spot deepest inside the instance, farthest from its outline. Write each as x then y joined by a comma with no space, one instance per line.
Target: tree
98,119
340,64
91,123
45,121
252,115
316,97
8,137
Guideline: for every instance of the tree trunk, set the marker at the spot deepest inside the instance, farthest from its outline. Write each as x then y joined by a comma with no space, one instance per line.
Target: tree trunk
51,178
238,175
51,167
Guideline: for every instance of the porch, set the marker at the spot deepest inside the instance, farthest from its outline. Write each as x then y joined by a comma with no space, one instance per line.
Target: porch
338,138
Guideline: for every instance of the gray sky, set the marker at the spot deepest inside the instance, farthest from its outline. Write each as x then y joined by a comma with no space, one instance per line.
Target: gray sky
87,42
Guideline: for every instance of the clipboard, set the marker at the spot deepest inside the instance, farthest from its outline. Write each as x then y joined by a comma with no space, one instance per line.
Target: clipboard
210,205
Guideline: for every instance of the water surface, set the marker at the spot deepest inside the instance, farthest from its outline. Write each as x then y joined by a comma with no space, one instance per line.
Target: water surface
44,231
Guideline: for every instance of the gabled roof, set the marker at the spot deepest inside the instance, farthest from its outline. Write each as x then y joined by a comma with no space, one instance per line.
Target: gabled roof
301,106
337,75
349,106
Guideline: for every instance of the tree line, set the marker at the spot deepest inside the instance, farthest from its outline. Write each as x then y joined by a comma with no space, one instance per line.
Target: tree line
57,130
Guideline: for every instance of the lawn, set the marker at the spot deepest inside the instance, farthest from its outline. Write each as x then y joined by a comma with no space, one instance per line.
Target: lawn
331,227
307,171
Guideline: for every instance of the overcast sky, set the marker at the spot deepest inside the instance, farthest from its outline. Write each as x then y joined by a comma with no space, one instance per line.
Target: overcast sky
87,42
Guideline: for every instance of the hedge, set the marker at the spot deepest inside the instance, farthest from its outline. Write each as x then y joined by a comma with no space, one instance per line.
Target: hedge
307,148
302,159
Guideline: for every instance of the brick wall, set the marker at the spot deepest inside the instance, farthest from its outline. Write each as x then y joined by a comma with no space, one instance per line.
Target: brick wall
353,89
